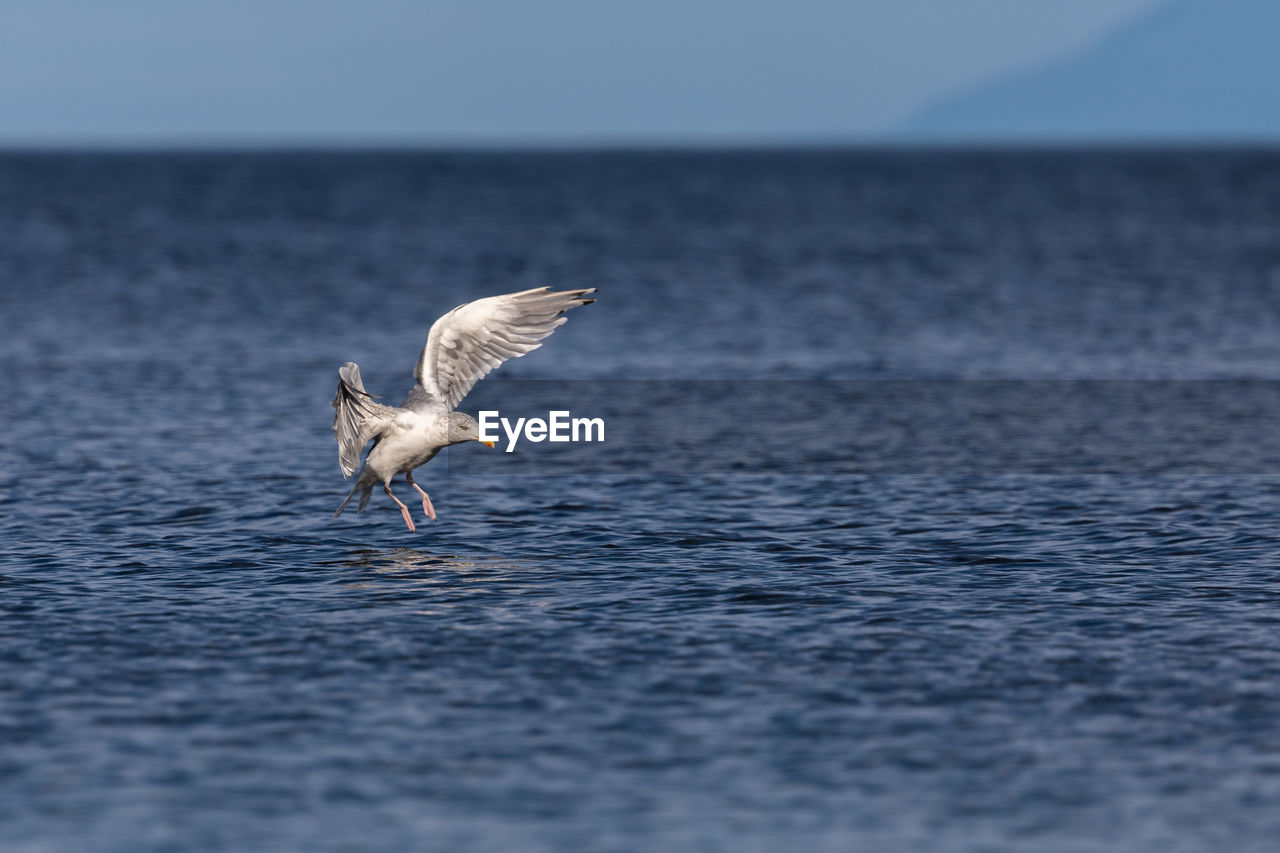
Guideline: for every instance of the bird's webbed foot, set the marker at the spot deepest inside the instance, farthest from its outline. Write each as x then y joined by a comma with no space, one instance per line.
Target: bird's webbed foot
427,509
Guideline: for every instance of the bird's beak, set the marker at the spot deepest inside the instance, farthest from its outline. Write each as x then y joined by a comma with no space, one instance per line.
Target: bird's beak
485,443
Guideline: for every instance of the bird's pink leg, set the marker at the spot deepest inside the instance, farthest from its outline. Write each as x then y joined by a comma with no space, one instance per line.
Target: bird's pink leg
427,508
404,510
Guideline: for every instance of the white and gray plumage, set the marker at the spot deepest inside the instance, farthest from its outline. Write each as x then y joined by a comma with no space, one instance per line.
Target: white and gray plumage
462,347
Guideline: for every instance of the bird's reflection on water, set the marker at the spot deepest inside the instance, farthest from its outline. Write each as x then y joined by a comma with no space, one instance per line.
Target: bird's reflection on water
422,567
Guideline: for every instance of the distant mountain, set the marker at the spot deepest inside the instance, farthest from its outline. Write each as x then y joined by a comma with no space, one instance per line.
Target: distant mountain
1190,69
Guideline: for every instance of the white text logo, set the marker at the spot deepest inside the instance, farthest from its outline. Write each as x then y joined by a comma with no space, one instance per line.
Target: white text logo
559,426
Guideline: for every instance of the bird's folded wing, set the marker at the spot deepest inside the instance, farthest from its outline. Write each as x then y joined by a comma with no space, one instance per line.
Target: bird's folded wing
472,339
357,417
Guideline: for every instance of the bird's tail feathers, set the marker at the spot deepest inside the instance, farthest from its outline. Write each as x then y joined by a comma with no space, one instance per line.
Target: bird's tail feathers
365,490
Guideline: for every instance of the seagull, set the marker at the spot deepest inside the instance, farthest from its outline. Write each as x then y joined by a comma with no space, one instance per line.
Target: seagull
462,347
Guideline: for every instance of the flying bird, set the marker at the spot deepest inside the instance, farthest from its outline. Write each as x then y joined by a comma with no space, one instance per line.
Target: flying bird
462,347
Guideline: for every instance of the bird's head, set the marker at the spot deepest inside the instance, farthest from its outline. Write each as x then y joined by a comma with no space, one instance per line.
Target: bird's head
463,427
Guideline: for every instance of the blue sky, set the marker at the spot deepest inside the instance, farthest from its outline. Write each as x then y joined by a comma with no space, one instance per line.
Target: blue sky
510,70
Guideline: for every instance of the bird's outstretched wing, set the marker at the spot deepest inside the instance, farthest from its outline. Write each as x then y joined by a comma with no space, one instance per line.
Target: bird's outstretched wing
357,419
474,338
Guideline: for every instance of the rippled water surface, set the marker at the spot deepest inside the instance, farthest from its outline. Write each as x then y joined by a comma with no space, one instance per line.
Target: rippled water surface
850,570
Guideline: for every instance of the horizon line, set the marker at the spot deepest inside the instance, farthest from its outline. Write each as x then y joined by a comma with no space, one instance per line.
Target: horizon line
231,143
